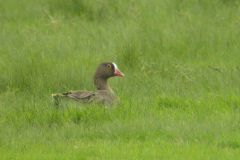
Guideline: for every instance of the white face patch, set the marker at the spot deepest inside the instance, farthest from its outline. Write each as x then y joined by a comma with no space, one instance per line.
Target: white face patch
115,67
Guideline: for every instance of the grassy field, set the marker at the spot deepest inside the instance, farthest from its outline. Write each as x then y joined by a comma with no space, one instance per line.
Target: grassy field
180,97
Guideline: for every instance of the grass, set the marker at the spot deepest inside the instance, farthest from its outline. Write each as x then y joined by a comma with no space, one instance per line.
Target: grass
179,96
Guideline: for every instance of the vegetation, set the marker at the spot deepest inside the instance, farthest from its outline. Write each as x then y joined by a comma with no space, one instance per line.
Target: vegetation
179,97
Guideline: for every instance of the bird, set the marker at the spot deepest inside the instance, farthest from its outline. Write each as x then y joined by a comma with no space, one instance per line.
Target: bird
103,95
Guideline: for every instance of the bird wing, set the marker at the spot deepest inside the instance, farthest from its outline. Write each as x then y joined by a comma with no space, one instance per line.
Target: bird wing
84,96
100,96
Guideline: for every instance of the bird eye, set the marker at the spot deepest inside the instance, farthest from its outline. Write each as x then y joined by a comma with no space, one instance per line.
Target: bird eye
109,66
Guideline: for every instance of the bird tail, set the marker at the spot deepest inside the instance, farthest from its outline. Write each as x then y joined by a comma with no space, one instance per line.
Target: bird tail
55,98
57,95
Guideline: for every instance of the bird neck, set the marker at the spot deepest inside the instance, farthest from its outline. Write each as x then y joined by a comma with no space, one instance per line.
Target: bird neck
101,83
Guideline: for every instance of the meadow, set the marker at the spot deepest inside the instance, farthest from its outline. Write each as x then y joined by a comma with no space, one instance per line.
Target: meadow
180,97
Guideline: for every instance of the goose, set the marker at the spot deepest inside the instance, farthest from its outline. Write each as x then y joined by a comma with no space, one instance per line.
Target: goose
104,94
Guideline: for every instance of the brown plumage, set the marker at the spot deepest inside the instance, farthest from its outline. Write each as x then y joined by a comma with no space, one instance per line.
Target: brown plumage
104,93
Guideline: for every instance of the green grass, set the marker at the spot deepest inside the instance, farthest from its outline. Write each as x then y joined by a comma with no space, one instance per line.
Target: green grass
179,97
